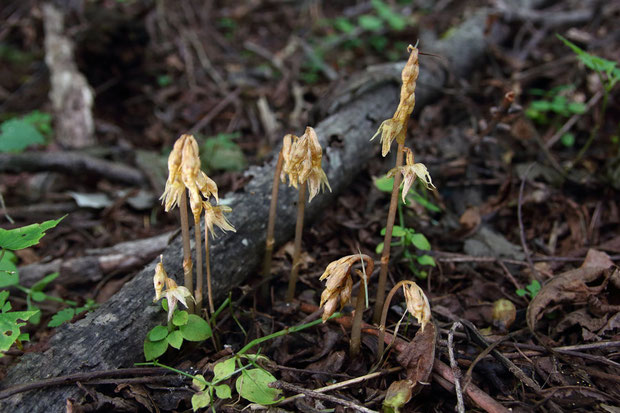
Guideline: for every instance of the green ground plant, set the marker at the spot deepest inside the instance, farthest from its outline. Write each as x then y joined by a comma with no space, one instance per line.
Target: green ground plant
411,241
11,322
18,133
609,75
530,290
183,326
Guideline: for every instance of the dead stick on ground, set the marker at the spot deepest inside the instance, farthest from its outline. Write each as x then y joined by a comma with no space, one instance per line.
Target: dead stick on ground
84,377
344,384
316,395
460,406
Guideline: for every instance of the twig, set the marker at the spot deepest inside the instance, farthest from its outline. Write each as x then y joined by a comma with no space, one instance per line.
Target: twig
526,251
73,163
316,395
86,376
344,384
456,372
480,398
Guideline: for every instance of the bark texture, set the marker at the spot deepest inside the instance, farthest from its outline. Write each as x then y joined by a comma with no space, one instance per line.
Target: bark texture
112,336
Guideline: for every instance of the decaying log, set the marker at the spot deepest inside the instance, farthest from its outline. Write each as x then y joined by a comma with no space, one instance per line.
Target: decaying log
92,267
76,163
113,335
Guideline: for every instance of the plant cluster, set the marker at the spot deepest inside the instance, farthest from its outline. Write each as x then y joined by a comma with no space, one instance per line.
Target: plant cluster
300,162
10,324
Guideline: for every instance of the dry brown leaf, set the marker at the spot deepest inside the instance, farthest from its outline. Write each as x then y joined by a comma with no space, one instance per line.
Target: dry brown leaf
596,259
570,286
418,357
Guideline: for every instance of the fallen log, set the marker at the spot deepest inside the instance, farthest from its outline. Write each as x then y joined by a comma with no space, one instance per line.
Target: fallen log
112,336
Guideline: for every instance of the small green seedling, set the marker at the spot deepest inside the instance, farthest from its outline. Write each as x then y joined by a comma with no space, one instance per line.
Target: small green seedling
530,290
222,153
555,102
409,239
183,326
17,134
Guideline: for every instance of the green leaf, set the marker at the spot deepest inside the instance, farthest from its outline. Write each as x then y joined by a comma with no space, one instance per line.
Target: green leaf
398,231
369,22
40,120
10,327
175,339
61,317
221,153
223,369
577,107
395,20
223,391
426,260
521,292
42,283
343,24
38,296
253,385
196,329
158,333
384,184
415,197
3,296
200,400
36,318
420,241
534,287
179,318
17,134
154,349
568,140
24,237
199,382
379,248
9,275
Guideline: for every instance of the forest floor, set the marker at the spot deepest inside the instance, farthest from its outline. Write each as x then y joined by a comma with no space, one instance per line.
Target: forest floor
526,206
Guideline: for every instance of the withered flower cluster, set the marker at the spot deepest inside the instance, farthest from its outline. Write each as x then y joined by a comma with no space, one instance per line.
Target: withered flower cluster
396,127
302,162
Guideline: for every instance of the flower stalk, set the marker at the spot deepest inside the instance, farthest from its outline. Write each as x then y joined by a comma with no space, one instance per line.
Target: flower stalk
185,177
301,162
417,306
271,224
390,130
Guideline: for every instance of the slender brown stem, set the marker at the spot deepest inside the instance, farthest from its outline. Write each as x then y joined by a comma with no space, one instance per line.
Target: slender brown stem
271,224
356,327
384,313
208,265
387,240
199,279
301,204
188,280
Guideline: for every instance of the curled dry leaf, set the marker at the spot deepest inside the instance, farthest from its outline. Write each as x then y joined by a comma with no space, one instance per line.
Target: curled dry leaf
568,287
418,357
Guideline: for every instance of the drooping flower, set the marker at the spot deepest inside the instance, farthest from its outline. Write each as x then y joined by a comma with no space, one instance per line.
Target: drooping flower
339,283
302,162
175,294
159,279
394,128
184,173
417,304
214,216
411,171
